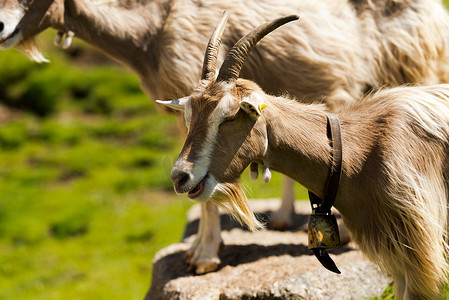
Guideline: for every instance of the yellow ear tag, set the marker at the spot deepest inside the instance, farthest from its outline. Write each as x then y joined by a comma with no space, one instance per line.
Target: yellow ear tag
262,106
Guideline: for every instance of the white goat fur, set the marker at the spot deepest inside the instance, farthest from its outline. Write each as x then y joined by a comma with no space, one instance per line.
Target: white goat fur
337,51
393,195
340,47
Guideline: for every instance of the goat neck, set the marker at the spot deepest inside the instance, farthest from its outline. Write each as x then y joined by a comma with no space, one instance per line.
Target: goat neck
118,31
297,142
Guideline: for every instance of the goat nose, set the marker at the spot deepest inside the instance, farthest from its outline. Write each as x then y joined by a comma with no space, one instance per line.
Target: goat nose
180,180
1,26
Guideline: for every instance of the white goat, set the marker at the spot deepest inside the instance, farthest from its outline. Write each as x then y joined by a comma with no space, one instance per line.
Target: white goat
393,193
338,51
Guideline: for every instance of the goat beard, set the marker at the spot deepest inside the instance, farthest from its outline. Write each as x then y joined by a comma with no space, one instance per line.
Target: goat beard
31,49
231,197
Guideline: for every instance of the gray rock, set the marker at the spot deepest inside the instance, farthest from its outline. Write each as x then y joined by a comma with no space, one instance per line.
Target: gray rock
264,265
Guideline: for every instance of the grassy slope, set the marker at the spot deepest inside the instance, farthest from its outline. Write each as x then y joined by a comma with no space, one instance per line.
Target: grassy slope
84,203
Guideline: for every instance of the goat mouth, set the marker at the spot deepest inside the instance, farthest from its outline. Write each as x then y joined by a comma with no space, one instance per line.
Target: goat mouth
196,191
13,34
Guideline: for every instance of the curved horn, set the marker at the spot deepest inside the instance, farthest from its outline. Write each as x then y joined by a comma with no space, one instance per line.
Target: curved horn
210,57
230,69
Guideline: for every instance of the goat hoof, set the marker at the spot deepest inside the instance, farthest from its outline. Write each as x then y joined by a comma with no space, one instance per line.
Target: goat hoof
280,225
203,258
280,222
203,267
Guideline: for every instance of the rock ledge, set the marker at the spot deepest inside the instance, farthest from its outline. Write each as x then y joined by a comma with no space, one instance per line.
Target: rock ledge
264,265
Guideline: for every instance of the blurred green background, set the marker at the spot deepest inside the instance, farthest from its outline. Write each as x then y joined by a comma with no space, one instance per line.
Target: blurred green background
86,198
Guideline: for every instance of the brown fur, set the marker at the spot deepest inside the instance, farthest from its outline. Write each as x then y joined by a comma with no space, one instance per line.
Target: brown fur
393,192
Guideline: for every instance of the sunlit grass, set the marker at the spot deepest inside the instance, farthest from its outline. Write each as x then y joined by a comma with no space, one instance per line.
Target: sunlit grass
85,191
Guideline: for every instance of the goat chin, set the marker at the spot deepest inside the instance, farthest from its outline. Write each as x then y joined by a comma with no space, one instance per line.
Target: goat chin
31,49
231,197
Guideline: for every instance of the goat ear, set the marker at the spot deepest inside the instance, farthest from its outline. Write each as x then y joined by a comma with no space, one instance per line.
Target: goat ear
177,104
253,104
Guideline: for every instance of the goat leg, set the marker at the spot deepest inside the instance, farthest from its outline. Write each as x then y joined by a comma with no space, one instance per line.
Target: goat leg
203,255
282,218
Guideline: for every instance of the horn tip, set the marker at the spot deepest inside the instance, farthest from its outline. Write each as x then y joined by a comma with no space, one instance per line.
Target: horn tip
224,17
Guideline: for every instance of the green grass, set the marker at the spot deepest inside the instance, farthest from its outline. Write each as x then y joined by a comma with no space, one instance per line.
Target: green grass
85,190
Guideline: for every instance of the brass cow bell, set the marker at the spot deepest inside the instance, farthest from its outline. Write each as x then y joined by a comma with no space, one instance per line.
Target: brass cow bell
323,232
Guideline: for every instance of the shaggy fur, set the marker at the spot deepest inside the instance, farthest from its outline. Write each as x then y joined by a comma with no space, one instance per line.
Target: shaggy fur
231,197
343,48
393,192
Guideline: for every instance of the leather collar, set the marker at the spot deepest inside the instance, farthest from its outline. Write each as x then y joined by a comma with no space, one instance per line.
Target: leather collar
323,206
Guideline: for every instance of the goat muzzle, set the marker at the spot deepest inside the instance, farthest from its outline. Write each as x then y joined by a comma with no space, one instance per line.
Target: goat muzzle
179,181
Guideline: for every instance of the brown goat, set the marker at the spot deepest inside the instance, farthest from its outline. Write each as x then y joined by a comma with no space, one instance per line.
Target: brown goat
393,191
338,51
